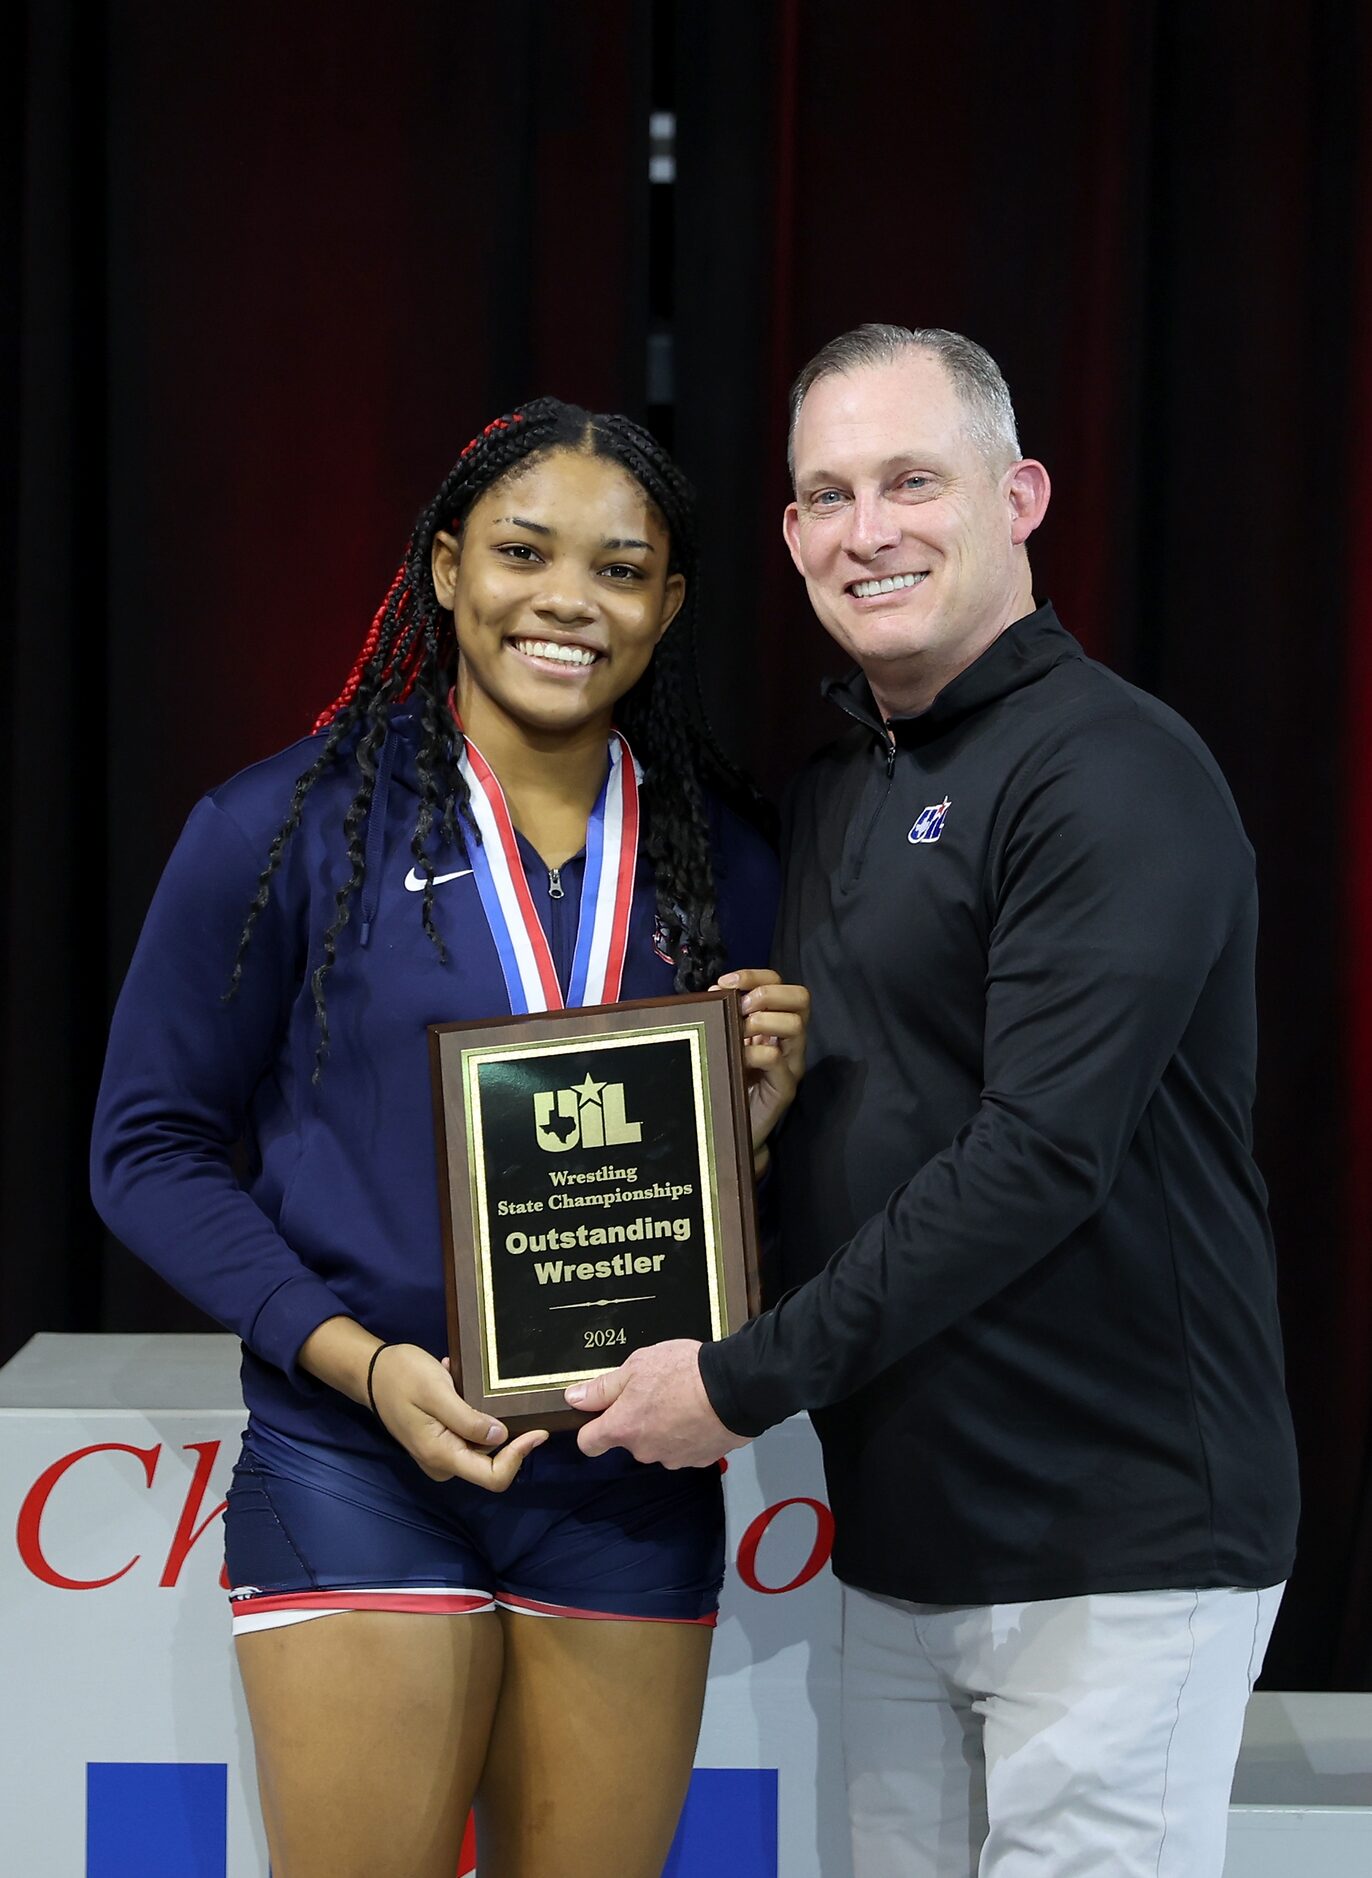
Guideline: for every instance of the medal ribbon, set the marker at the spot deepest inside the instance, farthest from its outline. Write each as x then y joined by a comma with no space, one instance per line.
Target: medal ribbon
602,933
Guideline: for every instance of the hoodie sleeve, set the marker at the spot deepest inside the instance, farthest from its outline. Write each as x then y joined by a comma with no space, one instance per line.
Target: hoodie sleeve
1123,878
180,1073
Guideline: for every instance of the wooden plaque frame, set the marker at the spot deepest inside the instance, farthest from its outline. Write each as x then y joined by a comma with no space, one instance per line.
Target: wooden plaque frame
467,1059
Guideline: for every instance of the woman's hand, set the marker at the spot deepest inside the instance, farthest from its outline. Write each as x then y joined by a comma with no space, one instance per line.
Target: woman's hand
414,1396
775,1017
443,1435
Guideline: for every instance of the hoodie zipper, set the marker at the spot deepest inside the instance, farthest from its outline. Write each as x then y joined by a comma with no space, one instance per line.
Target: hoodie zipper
849,879
852,878
560,941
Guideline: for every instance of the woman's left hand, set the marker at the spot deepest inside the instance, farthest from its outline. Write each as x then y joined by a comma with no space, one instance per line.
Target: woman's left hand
775,1018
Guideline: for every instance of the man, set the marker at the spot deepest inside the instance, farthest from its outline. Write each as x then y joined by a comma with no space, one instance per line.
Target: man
1033,1306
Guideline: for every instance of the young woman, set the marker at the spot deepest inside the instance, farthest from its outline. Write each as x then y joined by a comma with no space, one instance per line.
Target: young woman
425,1611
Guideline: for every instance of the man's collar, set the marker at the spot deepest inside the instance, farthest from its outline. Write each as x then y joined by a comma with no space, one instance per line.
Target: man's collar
1021,654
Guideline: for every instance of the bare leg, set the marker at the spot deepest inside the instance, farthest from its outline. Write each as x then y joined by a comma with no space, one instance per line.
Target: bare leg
592,1747
371,1729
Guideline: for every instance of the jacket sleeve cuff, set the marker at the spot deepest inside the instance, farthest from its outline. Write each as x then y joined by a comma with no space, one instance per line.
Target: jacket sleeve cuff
285,1320
722,1367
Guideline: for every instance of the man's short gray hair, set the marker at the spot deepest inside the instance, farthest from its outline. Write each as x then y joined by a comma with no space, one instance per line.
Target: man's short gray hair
975,377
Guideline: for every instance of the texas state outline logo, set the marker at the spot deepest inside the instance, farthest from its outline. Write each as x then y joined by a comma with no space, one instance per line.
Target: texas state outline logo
929,822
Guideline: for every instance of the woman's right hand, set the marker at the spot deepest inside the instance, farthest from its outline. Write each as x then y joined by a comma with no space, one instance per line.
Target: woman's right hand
442,1434
414,1396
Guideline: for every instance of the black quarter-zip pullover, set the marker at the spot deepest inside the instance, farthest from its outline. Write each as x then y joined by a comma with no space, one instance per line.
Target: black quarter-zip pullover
1031,1287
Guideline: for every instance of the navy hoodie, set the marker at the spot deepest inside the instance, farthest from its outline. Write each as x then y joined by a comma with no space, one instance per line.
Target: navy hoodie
336,1209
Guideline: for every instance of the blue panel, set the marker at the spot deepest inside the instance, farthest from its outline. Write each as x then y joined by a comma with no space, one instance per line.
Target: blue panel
729,1825
156,1819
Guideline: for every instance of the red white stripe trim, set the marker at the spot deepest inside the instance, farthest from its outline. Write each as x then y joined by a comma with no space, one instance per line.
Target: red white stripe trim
275,1610
530,1607
271,1611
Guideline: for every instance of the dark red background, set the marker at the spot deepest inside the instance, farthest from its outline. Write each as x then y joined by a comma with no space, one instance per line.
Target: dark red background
269,267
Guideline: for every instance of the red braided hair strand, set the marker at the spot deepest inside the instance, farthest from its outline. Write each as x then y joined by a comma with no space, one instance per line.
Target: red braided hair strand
368,650
499,423
398,592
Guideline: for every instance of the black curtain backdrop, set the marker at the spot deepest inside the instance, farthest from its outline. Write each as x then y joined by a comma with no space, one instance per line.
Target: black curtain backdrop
272,266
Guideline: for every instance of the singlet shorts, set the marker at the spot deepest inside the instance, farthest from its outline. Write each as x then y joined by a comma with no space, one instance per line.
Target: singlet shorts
311,1530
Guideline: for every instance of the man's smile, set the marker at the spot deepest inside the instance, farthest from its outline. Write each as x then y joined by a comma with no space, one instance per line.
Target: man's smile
886,583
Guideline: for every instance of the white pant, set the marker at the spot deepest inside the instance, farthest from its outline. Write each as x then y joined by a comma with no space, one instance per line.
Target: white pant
1065,1738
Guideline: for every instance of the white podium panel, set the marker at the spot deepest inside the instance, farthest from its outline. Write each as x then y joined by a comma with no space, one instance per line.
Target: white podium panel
772,1699
1302,1805
115,1453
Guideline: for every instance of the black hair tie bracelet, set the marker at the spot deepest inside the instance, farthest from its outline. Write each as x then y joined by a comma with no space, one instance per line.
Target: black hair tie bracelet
371,1370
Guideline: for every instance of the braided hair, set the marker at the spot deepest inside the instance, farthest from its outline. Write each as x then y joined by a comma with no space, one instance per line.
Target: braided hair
411,648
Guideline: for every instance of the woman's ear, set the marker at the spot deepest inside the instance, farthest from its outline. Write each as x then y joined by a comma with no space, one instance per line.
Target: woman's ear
673,593
445,559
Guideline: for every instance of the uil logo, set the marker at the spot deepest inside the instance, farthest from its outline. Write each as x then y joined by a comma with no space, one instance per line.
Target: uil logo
929,822
595,1111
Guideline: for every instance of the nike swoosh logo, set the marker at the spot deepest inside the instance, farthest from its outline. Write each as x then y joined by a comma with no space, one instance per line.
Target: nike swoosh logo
414,880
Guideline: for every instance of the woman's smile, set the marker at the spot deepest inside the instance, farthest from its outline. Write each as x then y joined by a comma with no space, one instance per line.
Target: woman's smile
564,656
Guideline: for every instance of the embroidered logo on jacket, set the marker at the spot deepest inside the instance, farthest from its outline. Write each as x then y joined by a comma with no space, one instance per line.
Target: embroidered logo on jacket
414,880
929,822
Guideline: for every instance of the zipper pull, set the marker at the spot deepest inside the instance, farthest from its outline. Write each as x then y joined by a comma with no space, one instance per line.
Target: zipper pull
555,884
890,756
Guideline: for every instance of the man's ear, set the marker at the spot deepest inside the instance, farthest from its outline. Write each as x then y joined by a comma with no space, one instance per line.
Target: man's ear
790,528
1027,491
445,558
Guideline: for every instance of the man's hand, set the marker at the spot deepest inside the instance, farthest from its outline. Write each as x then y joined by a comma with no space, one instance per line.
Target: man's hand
654,1405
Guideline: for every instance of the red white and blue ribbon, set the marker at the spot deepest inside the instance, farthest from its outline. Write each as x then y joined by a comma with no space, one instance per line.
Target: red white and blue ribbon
607,894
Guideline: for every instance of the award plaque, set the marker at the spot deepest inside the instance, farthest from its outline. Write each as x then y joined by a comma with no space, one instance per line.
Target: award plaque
595,1176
